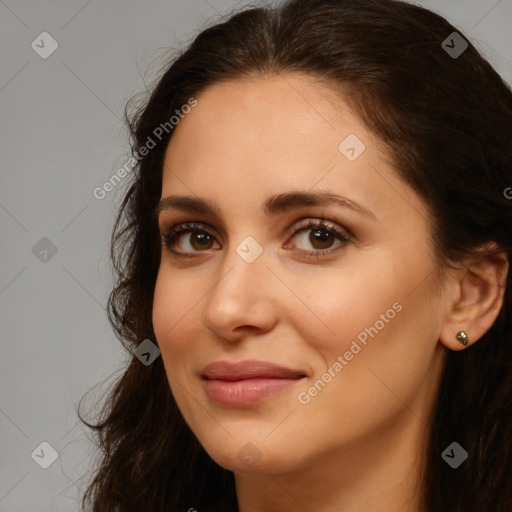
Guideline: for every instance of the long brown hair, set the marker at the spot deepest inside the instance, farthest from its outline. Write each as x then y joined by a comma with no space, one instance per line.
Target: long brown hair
447,122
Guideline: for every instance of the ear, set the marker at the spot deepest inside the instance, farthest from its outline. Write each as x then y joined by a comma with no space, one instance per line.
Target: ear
477,292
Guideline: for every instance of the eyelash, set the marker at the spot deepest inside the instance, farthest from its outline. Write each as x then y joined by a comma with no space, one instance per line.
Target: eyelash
169,237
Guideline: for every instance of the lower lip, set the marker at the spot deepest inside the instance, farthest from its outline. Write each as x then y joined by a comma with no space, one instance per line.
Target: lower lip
246,392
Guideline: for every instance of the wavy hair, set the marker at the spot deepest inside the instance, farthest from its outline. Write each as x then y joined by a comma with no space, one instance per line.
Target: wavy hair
447,125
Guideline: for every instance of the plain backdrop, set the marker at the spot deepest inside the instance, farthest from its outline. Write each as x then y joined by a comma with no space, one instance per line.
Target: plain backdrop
61,136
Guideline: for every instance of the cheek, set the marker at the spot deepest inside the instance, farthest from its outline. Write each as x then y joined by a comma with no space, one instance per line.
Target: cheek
373,315
175,302
385,337
344,302
175,322
372,285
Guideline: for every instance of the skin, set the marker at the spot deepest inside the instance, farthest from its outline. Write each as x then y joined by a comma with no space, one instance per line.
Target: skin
359,443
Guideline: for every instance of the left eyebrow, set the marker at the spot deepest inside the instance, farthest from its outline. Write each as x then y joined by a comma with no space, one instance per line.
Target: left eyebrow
274,205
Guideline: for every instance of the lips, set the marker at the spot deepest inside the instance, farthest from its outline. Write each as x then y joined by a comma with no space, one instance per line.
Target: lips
222,370
247,382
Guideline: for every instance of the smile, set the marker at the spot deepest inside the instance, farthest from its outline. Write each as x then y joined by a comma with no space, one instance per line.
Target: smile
246,383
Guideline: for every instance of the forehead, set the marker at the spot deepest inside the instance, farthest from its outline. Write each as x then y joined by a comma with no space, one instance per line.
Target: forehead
293,107
271,134
275,123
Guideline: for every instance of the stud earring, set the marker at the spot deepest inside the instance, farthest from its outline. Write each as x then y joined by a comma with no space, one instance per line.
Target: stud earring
462,338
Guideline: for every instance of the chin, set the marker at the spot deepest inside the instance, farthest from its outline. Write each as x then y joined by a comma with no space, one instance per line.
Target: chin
252,454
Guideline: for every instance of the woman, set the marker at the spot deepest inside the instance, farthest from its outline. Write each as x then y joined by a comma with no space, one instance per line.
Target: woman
317,239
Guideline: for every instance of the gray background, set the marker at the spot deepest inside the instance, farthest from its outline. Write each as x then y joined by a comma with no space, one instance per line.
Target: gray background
61,136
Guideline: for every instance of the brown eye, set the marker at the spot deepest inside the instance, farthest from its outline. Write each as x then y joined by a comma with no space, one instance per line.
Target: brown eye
321,239
318,237
198,240
189,238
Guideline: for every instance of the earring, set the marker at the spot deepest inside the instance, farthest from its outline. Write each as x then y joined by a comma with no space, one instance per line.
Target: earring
462,337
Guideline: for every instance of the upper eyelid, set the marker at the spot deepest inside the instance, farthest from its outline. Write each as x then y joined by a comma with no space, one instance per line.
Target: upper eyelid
308,222
166,226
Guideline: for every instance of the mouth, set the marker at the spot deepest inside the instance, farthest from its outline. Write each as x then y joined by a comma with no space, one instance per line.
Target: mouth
247,382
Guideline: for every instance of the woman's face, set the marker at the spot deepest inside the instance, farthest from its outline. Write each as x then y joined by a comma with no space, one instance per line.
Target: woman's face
347,310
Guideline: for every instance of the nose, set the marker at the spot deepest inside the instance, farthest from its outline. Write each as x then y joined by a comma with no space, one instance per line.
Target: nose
243,298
